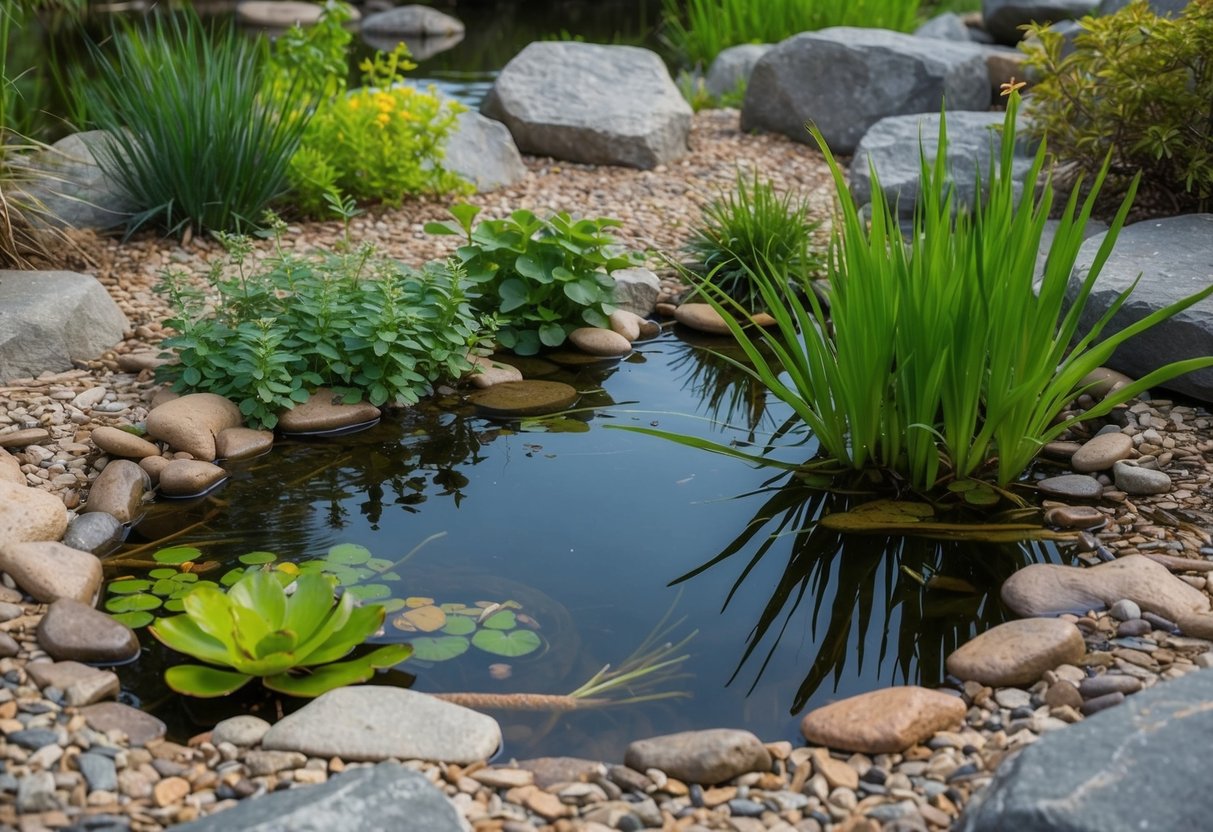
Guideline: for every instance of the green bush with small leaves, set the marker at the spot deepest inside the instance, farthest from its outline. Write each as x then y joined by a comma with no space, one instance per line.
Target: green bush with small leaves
539,278
355,321
1138,86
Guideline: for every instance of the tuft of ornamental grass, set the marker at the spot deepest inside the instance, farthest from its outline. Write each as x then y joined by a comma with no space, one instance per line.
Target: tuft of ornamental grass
743,229
940,360
698,30
193,139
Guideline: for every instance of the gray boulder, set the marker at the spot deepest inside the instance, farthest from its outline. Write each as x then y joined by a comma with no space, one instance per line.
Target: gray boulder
1174,257
846,79
50,319
946,26
583,102
76,191
892,145
483,152
732,68
1092,228
636,290
1136,766
385,796
1163,8
1004,17
411,21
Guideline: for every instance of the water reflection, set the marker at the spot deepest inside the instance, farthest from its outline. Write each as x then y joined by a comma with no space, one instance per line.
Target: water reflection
706,370
865,591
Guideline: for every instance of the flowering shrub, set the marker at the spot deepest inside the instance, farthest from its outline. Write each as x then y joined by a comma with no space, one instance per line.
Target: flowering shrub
380,142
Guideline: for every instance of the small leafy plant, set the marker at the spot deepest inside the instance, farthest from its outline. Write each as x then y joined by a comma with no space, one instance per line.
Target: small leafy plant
743,230
539,278
1139,85
355,321
291,642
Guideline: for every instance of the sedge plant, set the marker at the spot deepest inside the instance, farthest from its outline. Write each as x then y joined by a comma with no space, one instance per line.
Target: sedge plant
942,359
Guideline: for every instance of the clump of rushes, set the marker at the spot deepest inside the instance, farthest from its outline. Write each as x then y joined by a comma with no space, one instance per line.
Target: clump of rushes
744,229
939,361
192,138
698,30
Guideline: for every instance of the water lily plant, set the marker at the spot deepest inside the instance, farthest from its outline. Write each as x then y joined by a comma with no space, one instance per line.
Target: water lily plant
256,630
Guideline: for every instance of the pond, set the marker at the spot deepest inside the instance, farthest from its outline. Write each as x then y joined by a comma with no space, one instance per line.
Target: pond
585,528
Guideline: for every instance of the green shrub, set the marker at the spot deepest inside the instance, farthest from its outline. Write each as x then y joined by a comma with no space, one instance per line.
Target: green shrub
193,140
743,230
939,362
539,278
1139,85
698,30
355,321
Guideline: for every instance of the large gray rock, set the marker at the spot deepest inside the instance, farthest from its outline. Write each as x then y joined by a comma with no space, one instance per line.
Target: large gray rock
483,152
50,319
732,67
411,21
1004,17
892,145
584,102
846,79
1092,228
1164,8
77,193
1174,257
369,722
1136,766
946,26
386,796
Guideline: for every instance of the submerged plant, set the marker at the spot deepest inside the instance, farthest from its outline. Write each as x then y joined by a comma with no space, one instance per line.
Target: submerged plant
941,358
256,630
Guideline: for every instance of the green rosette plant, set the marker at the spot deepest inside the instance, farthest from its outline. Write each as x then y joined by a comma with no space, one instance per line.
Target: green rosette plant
292,643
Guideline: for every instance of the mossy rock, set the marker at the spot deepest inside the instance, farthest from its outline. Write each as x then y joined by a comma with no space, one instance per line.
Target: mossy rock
524,398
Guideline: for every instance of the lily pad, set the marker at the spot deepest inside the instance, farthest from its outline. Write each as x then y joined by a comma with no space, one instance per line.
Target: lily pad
370,592
164,574
185,578
420,620
132,603
257,558
508,644
129,586
414,601
134,619
176,555
165,588
501,620
233,576
379,564
350,554
392,605
439,649
174,605
459,625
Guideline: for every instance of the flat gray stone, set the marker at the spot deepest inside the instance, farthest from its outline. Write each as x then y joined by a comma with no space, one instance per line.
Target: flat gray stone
386,796
1004,17
95,532
139,727
1174,257
369,722
411,21
1071,486
731,68
483,152
50,319
585,102
244,730
711,756
78,193
1138,481
845,79
71,631
1139,765
892,145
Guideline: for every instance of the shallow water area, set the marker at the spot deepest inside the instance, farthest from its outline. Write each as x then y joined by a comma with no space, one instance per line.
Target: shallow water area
583,529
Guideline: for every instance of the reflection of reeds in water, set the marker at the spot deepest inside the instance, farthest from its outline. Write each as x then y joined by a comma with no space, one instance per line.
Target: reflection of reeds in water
726,394
860,582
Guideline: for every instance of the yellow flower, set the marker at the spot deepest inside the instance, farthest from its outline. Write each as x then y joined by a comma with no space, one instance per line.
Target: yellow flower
405,115
353,103
382,119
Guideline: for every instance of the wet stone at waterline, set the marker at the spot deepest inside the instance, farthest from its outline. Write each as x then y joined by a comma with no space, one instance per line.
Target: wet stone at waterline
524,398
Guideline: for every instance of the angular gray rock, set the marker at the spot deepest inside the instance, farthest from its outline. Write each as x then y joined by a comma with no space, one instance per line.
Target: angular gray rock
483,152
732,67
1174,257
386,796
585,102
846,79
411,21
707,757
892,145
369,722
49,319
636,290
77,192
1134,766
1004,17
946,26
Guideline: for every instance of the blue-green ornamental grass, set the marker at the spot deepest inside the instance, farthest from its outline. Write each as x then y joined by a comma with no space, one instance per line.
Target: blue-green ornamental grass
939,361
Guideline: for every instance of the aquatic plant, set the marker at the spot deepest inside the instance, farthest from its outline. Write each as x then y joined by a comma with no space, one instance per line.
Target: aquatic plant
698,30
361,323
745,228
942,359
292,643
192,139
539,278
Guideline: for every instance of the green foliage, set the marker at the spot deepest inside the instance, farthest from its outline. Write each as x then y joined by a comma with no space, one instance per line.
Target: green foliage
698,30
694,89
939,361
1139,85
743,230
291,643
192,138
283,326
539,278
380,142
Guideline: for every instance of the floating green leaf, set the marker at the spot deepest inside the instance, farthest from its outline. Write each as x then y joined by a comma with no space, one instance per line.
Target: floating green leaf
349,554
459,625
134,619
370,592
176,555
132,603
439,649
231,577
184,577
510,645
174,605
392,605
501,620
257,558
162,574
165,587
379,564
128,586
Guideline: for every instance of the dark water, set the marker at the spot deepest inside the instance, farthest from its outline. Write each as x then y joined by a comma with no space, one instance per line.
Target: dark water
587,530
